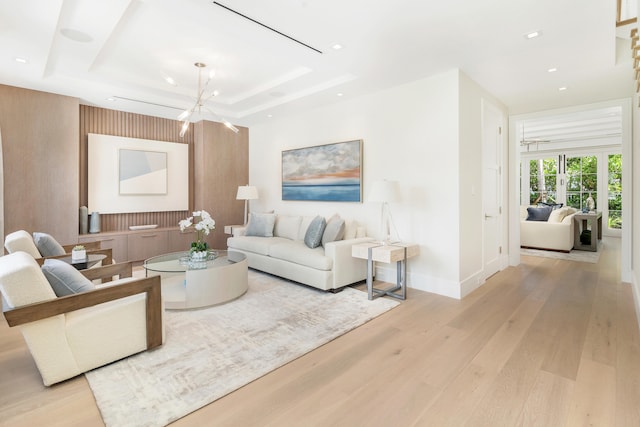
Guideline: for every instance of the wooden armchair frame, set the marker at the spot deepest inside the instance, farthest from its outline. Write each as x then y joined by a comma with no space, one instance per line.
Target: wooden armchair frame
150,286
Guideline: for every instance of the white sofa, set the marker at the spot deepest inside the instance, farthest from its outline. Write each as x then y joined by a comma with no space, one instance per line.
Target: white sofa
554,234
285,254
70,335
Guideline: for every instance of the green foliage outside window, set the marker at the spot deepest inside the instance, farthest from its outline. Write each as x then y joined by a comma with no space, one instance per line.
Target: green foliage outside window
582,180
614,191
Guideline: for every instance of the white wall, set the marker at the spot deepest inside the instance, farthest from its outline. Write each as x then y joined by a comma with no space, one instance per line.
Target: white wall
411,135
470,179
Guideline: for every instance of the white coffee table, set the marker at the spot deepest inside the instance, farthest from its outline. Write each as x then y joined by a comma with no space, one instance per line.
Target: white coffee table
224,279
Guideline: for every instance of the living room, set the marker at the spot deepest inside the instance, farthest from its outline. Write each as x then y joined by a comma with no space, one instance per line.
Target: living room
436,115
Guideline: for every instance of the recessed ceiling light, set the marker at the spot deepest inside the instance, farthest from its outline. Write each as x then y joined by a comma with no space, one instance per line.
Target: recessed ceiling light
562,88
552,70
110,99
337,46
533,34
75,35
21,60
170,81
269,115
339,94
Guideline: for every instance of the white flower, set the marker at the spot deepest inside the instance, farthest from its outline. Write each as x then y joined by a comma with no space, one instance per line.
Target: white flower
185,223
205,225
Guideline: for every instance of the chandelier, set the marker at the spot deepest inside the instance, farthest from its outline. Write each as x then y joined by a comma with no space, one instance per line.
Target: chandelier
201,98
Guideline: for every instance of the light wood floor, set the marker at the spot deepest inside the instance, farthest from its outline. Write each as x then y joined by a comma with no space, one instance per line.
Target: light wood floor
549,343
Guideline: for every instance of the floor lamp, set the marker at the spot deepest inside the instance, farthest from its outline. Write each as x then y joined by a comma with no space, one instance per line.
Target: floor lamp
385,192
246,193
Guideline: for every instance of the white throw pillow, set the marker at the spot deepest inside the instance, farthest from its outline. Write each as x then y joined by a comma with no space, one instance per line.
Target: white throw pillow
287,226
557,215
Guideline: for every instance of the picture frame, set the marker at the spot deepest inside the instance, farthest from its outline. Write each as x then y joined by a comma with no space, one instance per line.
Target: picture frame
328,173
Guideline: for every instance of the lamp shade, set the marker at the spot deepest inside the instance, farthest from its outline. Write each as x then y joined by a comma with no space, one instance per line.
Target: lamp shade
247,192
384,191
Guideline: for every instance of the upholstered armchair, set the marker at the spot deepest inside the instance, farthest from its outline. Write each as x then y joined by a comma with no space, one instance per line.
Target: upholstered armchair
41,246
73,334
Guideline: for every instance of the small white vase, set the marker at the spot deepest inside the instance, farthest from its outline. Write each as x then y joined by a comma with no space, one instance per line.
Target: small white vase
77,255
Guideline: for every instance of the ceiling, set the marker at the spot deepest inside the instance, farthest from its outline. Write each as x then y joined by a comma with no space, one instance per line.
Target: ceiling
117,54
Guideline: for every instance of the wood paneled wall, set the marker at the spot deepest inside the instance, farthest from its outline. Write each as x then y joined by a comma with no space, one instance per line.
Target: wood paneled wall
40,157
218,164
119,123
221,164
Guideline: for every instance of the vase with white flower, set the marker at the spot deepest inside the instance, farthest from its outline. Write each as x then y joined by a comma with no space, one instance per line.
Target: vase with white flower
202,223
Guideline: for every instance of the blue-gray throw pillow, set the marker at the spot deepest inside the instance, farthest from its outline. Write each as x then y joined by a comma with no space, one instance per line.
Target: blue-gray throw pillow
334,230
64,278
47,245
261,225
539,214
313,236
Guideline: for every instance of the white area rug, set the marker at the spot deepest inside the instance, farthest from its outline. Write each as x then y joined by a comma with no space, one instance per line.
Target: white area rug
211,352
574,255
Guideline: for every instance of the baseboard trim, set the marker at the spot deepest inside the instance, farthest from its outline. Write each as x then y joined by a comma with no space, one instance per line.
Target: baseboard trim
635,287
435,285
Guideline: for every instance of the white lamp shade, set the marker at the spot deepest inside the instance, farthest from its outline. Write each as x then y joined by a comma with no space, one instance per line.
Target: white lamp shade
247,192
384,191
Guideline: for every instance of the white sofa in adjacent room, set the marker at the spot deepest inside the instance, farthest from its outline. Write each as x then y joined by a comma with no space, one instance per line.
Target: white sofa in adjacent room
279,245
555,233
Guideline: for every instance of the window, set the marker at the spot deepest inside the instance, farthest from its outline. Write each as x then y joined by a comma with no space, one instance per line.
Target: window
614,191
582,180
543,180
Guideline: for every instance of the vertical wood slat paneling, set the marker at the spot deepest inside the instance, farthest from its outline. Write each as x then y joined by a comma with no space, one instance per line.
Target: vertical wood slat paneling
130,125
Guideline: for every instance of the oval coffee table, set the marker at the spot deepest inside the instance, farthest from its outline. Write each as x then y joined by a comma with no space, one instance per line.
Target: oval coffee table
225,278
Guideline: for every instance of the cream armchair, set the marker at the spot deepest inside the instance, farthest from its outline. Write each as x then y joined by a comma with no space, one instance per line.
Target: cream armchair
70,335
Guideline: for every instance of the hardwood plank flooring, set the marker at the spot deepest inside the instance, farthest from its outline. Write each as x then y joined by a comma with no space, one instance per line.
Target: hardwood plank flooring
548,343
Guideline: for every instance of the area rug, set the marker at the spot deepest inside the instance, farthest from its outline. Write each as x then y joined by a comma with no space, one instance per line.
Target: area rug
574,255
211,352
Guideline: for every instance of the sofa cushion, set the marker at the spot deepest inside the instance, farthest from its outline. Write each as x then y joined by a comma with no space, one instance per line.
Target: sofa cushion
261,225
64,278
313,236
287,226
255,244
334,230
299,253
538,214
47,245
22,282
21,240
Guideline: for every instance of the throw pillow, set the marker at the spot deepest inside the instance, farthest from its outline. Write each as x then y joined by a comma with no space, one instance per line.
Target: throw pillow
557,215
538,214
313,236
287,226
334,230
64,278
261,225
47,245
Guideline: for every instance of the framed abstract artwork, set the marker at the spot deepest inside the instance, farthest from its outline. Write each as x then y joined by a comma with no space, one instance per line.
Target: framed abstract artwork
331,172
142,172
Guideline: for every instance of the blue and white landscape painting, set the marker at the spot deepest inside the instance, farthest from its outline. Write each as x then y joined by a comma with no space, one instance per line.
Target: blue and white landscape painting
329,172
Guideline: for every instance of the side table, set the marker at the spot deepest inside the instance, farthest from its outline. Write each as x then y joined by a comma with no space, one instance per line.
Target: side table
584,220
387,253
228,229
